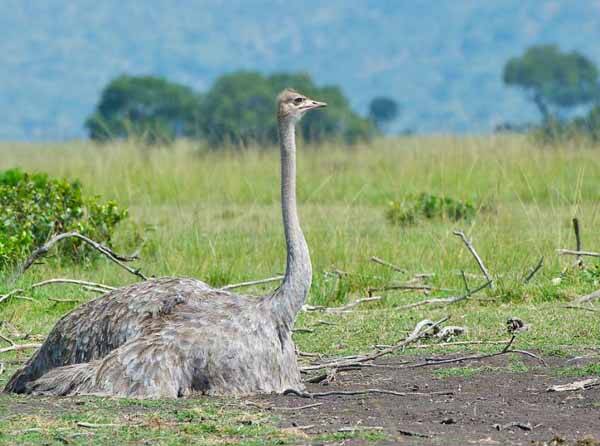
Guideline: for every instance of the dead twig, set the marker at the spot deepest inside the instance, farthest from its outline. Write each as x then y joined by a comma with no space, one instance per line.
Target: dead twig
344,308
17,347
421,330
579,259
572,252
413,434
405,287
252,282
360,428
113,256
10,294
307,406
577,385
505,350
534,271
588,297
444,300
581,307
447,344
471,248
84,283
388,264
360,392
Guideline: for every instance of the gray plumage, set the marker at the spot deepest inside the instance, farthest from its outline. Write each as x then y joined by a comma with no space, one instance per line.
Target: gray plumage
169,337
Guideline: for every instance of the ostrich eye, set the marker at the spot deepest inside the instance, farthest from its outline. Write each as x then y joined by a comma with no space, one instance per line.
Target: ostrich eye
298,100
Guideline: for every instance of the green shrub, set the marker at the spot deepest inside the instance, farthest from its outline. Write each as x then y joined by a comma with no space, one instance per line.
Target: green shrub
33,207
428,206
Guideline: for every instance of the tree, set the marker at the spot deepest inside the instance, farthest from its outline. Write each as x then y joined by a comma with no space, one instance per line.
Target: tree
239,109
553,78
383,110
146,107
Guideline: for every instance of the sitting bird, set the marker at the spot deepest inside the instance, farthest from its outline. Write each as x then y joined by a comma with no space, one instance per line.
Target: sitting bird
170,337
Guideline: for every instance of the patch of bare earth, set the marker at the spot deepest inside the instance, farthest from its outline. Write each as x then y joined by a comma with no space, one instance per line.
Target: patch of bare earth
492,406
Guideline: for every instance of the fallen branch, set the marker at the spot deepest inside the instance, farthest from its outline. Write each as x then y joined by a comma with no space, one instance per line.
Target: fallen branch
17,347
471,248
573,252
505,350
31,299
360,428
344,308
588,297
535,269
307,406
577,385
113,256
581,307
413,434
445,300
405,287
252,282
388,264
520,425
10,294
74,282
447,344
421,330
361,392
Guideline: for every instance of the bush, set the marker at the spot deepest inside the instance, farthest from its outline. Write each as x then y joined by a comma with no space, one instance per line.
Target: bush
33,207
428,206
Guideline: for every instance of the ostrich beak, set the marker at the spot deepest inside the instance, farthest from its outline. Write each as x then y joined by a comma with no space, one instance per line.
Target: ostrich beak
311,105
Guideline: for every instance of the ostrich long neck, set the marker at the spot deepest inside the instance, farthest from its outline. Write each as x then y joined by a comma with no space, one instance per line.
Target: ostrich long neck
290,297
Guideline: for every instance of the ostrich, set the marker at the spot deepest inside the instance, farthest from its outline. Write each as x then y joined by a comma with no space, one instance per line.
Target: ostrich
169,337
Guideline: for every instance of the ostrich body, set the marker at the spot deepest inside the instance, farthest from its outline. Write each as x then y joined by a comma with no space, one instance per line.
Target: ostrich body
169,337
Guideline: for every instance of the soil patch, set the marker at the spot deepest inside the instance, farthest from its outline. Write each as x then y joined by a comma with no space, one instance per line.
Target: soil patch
498,401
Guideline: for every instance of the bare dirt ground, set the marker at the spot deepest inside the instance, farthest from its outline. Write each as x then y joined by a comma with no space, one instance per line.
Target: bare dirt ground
493,405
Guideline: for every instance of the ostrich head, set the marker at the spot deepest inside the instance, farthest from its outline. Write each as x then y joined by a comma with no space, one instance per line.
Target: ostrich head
292,104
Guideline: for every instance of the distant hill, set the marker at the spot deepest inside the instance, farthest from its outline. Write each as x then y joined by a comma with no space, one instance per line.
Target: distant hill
442,59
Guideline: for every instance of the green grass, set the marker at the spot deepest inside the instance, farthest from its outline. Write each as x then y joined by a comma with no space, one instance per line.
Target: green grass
215,216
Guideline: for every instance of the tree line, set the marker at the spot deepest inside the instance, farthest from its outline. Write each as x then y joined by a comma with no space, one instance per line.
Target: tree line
237,110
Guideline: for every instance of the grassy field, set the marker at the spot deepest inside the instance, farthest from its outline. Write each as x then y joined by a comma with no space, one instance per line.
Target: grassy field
215,216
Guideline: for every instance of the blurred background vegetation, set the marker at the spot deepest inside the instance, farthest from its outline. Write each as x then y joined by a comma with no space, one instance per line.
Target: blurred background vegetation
442,63
238,109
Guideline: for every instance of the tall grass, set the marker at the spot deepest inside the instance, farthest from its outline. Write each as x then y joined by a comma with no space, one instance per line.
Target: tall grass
215,214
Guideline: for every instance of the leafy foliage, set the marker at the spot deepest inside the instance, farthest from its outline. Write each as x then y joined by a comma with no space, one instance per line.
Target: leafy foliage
383,110
553,78
33,207
428,206
148,108
239,109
